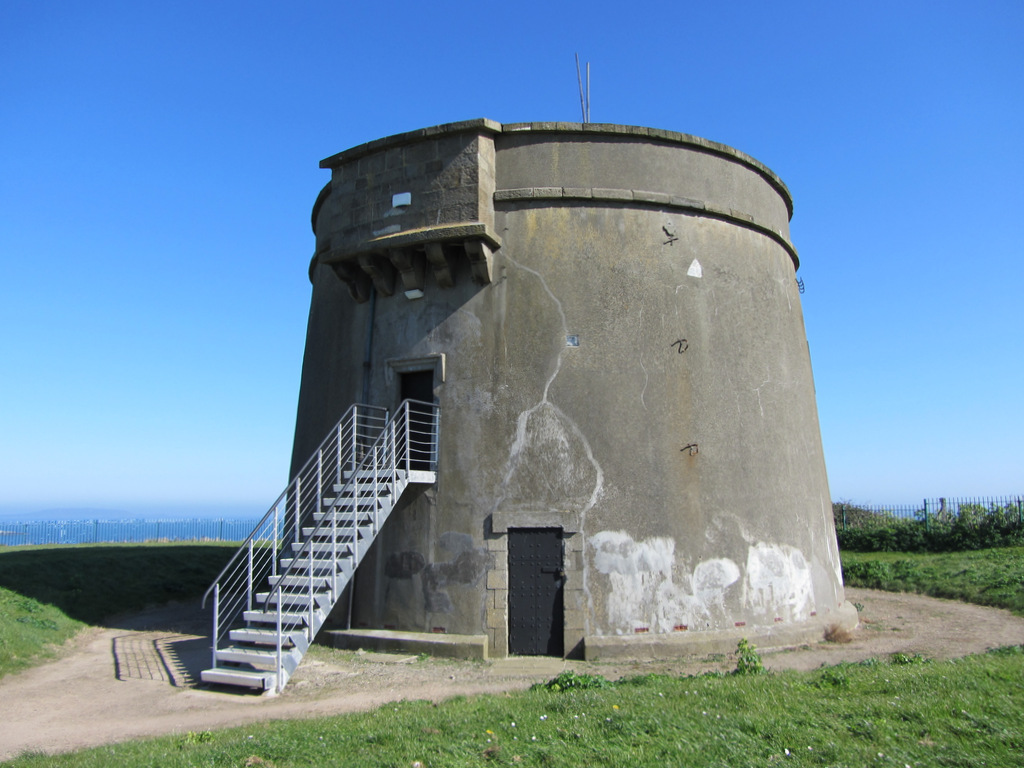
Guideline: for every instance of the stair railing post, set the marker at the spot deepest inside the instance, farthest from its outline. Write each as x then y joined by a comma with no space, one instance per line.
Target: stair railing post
338,458
216,621
408,440
249,579
309,593
358,425
298,506
319,478
391,446
277,512
278,682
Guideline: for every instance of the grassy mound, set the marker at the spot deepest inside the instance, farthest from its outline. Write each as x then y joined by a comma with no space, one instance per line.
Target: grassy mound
48,593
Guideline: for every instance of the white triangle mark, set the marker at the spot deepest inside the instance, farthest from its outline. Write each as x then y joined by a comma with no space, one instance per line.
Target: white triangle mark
695,270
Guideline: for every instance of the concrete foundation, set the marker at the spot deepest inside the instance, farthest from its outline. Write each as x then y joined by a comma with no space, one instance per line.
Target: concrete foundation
609,319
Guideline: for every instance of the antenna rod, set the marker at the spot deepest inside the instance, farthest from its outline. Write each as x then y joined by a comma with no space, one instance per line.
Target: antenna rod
579,79
588,92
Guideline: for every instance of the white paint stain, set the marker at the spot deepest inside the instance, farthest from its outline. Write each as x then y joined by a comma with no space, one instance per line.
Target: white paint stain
647,587
778,578
642,584
695,269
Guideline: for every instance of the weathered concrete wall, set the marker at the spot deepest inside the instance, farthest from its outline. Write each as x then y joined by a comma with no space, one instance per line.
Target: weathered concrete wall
630,367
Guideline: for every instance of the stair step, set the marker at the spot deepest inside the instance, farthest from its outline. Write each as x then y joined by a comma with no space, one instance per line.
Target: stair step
380,474
322,566
288,618
248,678
254,656
267,636
322,547
339,517
321,599
320,583
367,500
326,531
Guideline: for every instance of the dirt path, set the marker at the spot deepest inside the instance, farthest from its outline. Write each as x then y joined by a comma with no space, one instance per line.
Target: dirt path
139,678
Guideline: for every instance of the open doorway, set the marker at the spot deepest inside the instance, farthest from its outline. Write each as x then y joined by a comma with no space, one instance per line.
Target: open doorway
419,386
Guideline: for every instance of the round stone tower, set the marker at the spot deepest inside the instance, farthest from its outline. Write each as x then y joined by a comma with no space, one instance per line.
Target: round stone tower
608,317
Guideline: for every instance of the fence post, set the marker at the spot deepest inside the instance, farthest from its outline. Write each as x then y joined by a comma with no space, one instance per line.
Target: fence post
1020,512
927,527
842,511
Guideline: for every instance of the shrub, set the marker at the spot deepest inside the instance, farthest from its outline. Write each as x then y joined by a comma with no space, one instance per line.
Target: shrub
570,680
971,527
748,660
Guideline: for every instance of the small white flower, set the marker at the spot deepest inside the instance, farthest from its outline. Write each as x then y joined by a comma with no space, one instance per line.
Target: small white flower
533,738
513,725
543,717
787,751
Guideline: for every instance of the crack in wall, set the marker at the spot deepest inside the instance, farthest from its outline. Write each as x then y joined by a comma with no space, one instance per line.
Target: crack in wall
520,443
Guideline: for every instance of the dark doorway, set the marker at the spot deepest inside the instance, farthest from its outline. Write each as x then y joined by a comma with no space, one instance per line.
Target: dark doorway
419,385
535,579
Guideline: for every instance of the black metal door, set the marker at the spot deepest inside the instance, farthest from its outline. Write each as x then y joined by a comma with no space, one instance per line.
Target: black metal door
535,608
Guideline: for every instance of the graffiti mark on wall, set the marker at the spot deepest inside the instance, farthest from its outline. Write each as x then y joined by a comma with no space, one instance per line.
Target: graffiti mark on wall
681,345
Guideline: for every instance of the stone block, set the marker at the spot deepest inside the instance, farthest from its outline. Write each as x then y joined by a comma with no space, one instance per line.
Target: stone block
574,620
497,579
658,198
496,618
603,193
513,194
583,193
686,202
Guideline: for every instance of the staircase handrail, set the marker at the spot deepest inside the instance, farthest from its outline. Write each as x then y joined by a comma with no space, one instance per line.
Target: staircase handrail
389,454
351,433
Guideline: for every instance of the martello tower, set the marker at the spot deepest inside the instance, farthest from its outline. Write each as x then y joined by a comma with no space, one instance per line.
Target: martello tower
608,320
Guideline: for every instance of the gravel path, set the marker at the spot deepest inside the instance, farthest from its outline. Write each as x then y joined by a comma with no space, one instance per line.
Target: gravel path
139,676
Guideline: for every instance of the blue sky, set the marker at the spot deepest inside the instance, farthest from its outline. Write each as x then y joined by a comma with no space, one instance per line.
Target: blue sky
160,160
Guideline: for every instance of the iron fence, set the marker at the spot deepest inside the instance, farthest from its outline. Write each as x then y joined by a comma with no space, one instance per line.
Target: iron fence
1006,510
123,531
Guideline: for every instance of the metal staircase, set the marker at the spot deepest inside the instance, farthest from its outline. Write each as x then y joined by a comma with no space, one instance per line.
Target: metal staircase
279,587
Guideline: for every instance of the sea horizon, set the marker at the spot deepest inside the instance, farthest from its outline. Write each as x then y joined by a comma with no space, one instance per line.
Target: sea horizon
65,512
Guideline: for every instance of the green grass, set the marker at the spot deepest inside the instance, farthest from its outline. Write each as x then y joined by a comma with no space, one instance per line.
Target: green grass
30,630
956,713
48,593
993,577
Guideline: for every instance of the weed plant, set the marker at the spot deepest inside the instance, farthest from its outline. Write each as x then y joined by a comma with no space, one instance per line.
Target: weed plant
993,577
904,712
